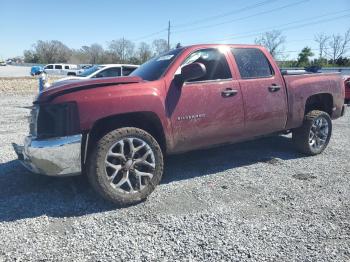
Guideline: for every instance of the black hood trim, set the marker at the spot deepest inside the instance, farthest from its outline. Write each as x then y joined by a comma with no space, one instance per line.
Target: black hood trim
79,88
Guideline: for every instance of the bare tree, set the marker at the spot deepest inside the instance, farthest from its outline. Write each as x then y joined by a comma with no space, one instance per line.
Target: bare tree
94,53
338,45
273,41
123,49
322,40
144,52
159,46
52,51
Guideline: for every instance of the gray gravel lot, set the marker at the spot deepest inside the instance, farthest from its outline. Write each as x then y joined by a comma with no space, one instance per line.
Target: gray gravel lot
14,71
254,201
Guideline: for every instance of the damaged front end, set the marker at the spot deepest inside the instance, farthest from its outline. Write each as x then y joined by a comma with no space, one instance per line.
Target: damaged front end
53,146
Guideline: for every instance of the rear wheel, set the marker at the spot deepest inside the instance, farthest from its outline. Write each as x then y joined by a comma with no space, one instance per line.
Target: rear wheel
126,165
314,135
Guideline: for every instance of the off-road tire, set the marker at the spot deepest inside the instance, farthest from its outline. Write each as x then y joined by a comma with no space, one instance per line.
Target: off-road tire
301,134
96,166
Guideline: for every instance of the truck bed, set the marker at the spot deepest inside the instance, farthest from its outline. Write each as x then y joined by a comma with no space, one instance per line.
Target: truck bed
302,86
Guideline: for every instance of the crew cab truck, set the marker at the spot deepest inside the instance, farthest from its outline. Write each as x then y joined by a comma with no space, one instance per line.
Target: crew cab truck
118,130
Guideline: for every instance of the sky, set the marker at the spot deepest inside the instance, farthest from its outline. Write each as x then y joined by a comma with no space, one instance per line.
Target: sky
77,22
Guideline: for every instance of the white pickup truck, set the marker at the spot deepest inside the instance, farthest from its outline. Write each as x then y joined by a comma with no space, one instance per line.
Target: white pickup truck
63,69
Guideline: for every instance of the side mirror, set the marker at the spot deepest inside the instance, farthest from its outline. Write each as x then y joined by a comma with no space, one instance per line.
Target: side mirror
193,71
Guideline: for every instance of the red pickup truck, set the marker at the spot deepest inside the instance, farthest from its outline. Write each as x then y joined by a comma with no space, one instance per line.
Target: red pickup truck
117,130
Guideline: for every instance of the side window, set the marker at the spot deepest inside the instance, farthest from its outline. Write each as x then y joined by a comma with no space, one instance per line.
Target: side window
66,67
58,66
215,62
128,70
49,67
252,63
110,72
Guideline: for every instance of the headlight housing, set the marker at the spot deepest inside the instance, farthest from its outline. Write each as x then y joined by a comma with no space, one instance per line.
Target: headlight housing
33,121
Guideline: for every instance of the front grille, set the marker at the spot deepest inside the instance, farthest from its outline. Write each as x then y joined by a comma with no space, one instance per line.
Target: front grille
57,120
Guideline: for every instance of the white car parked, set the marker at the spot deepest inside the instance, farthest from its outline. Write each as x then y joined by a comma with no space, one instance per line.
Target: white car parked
108,70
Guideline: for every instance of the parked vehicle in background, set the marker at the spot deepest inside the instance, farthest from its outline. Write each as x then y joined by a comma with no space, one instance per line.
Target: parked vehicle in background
62,69
108,70
118,130
85,66
347,89
2,63
36,70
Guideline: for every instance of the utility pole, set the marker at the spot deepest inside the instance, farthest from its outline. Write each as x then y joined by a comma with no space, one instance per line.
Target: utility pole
123,50
169,35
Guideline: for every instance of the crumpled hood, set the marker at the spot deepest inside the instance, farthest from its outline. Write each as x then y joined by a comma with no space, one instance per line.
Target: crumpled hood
69,86
76,78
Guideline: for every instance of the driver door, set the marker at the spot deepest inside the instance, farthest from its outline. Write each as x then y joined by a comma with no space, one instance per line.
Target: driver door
208,110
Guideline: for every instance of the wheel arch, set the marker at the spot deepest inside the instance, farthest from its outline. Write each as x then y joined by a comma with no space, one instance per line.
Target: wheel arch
146,120
322,101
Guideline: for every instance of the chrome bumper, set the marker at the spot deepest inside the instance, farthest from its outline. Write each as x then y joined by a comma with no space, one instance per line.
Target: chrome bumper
59,156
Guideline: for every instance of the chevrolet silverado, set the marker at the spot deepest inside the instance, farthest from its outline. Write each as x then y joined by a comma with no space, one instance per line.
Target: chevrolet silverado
118,130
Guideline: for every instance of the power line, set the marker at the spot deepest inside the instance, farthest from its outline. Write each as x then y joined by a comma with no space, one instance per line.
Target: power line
287,28
242,18
206,19
249,7
251,33
150,35
284,28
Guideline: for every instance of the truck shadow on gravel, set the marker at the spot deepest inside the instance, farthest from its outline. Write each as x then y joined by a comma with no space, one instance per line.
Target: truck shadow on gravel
25,195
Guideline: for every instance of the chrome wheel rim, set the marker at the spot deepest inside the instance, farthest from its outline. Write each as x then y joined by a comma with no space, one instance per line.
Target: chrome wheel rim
130,165
318,133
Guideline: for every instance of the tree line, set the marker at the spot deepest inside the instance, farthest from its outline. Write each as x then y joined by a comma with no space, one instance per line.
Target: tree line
332,50
117,51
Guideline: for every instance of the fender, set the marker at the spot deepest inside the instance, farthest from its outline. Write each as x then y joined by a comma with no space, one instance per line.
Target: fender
111,100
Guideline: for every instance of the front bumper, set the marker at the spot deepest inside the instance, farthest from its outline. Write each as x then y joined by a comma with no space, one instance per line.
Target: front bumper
59,156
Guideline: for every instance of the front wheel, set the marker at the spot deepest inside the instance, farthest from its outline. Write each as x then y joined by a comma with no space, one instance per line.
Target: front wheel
126,165
314,135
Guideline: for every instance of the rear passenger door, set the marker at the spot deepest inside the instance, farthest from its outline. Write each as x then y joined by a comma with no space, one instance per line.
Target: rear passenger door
58,69
263,89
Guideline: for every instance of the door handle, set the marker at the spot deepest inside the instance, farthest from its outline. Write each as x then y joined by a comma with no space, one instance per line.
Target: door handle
229,92
274,88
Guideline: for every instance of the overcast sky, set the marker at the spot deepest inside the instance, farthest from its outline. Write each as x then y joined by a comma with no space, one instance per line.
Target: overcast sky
79,22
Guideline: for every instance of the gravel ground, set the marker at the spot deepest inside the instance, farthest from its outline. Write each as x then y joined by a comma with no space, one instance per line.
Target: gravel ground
254,201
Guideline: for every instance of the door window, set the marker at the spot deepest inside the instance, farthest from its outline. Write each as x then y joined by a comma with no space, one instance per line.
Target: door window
66,67
58,66
252,63
128,70
49,67
110,72
214,61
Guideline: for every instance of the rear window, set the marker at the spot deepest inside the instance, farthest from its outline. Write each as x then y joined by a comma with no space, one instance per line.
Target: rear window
252,63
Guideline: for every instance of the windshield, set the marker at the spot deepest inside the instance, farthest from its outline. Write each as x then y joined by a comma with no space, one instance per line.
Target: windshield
89,71
155,68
